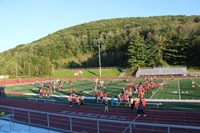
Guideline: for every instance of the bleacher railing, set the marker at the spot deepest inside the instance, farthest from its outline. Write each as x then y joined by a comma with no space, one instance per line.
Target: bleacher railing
87,124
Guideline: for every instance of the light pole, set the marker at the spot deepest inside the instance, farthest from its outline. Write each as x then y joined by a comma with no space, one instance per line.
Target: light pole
99,42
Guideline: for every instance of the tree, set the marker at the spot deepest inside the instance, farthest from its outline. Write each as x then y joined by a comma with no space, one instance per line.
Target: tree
194,52
137,51
159,45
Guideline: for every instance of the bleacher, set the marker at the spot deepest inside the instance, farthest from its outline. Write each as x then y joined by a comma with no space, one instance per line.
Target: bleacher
162,71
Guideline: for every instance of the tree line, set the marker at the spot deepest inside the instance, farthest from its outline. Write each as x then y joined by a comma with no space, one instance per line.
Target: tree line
124,42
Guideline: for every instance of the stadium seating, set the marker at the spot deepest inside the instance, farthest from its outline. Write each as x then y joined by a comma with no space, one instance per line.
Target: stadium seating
181,71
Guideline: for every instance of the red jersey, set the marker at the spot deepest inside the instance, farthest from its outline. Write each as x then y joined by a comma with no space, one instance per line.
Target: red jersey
101,94
136,103
144,103
124,96
77,99
70,98
105,94
141,95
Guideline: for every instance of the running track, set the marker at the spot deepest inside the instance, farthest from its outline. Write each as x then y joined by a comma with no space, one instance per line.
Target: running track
163,117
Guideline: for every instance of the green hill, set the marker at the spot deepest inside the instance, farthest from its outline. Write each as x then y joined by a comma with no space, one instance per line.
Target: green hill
124,42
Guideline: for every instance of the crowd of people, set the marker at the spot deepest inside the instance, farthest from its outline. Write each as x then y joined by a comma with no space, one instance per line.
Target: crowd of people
126,97
44,90
137,103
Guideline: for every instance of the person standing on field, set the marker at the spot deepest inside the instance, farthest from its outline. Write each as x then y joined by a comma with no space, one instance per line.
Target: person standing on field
70,98
106,105
77,102
140,109
82,99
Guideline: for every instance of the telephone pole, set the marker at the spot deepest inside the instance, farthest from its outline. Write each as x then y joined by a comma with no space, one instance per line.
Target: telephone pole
99,45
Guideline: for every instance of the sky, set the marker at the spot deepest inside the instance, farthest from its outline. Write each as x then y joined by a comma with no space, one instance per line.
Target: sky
25,21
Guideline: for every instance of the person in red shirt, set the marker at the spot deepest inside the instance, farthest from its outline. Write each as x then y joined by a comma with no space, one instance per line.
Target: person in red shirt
70,98
77,102
101,96
141,95
110,81
70,81
144,103
146,87
136,104
50,87
60,86
105,94
125,98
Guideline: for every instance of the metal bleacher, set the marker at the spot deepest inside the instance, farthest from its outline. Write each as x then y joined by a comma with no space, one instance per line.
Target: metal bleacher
181,71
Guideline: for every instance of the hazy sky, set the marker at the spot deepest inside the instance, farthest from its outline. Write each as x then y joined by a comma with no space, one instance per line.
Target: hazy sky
24,21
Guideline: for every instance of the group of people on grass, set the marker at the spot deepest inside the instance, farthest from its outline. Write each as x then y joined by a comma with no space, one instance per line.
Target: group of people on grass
138,102
125,97
45,90
78,100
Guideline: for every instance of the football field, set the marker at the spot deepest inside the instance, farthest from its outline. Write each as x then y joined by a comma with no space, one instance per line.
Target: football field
177,88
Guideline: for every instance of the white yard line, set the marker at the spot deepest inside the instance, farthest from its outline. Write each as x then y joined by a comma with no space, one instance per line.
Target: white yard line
179,89
154,92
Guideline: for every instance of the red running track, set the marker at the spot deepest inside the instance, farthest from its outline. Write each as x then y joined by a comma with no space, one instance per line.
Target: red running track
162,117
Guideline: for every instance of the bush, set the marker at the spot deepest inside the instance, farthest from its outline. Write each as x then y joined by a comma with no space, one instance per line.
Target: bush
2,113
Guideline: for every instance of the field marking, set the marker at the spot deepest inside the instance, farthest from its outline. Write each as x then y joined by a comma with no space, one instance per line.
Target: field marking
179,89
154,92
87,92
157,89
195,82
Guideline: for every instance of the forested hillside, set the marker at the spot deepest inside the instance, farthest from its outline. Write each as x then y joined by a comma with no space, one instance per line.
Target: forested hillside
126,42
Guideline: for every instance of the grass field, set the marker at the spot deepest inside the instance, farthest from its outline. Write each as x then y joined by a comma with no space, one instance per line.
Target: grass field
87,73
172,88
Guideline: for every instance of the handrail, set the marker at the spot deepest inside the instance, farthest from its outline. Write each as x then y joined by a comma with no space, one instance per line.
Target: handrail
101,120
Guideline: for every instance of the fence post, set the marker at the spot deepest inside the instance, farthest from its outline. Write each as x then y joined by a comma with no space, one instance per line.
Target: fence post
70,123
168,129
29,118
13,114
48,120
97,126
130,128
10,124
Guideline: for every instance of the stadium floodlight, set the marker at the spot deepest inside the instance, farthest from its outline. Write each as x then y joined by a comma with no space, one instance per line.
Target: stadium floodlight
99,46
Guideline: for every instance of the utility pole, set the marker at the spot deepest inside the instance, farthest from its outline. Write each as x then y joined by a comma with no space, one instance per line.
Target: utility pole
99,42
